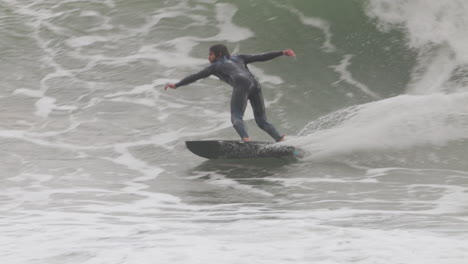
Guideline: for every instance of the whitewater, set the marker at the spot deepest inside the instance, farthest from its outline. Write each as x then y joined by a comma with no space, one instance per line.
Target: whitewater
93,166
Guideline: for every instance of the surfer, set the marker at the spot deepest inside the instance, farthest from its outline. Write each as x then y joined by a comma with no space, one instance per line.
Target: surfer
234,71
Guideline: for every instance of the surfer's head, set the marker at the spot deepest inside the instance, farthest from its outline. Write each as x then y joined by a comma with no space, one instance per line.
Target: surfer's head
218,51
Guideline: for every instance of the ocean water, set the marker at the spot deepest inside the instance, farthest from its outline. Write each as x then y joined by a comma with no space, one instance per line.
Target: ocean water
93,167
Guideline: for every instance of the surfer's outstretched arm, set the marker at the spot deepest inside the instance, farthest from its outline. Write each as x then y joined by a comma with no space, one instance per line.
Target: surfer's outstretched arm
192,78
266,56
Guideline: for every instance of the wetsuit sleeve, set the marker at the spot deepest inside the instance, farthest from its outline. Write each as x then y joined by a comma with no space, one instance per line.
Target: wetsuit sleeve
195,77
261,57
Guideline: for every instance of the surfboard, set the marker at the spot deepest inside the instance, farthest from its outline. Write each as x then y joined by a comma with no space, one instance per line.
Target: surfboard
233,149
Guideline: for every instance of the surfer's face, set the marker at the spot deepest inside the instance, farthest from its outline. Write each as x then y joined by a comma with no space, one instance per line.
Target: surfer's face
212,57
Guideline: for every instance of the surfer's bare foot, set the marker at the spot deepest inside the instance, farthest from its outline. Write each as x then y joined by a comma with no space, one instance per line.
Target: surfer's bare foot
245,139
281,139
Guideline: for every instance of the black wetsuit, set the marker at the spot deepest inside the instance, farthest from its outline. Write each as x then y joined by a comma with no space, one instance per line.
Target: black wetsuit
234,71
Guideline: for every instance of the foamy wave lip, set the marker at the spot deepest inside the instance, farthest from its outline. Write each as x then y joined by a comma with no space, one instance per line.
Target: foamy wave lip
426,21
437,30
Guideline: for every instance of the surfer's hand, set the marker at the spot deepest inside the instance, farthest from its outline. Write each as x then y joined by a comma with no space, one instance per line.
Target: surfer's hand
289,52
169,85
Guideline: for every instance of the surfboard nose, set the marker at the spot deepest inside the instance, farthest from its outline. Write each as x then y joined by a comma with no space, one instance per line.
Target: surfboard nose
209,149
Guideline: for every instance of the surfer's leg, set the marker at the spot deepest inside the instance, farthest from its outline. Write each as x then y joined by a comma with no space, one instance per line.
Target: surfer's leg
258,106
239,100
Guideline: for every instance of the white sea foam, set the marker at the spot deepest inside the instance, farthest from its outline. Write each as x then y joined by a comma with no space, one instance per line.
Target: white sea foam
396,123
264,241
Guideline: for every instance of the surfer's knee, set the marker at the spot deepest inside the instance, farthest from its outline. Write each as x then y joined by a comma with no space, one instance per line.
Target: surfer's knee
262,123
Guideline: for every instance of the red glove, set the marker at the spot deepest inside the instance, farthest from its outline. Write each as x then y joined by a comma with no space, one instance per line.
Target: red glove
169,85
289,52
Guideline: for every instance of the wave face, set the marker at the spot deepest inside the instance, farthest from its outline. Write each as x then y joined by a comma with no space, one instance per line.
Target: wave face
92,156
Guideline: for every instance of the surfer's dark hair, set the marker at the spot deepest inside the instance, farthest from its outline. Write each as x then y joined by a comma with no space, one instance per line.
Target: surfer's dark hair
220,50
